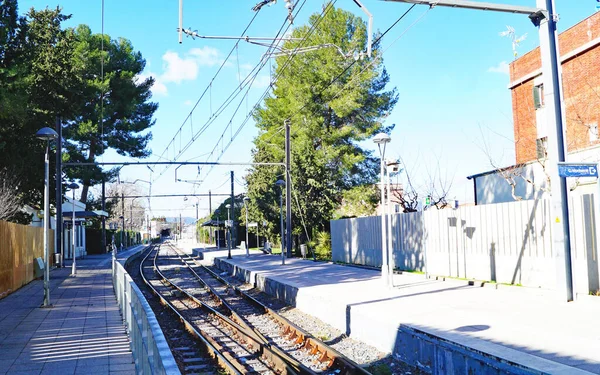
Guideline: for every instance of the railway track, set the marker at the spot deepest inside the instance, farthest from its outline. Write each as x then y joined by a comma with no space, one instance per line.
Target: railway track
236,350
302,352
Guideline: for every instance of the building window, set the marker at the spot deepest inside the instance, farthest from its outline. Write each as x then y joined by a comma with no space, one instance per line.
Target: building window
593,132
541,145
538,96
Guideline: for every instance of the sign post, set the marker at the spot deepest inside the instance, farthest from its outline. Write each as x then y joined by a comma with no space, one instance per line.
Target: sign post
567,169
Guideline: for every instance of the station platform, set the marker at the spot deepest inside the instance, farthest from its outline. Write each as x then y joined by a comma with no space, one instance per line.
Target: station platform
443,327
82,333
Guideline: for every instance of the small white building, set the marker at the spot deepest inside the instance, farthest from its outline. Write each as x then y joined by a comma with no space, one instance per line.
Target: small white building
81,215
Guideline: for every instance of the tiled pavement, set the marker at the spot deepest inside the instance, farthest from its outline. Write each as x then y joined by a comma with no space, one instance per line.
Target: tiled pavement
83,333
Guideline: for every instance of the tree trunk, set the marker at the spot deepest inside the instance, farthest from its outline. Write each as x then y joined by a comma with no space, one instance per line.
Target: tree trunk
86,184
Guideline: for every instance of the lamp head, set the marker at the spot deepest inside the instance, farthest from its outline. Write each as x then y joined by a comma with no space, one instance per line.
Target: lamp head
246,199
46,134
280,183
227,206
381,138
73,186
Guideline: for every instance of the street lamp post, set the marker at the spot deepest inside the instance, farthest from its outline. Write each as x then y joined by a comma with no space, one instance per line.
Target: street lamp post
383,139
48,135
228,235
218,235
281,184
73,186
246,199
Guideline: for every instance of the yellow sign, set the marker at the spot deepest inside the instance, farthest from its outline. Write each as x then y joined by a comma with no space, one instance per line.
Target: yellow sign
557,220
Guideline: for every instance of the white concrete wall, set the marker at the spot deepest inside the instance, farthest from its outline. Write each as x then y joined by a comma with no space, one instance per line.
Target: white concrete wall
494,187
506,243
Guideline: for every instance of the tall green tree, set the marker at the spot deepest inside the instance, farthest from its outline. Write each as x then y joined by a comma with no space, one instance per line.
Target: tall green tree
334,103
111,113
38,79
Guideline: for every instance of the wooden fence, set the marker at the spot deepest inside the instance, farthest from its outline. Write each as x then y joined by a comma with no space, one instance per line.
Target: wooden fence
19,246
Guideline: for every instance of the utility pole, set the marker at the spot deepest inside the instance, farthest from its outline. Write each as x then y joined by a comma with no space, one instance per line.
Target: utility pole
231,210
210,232
59,218
288,190
544,17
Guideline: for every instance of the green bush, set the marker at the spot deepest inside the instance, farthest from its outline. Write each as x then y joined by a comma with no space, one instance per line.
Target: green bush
323,245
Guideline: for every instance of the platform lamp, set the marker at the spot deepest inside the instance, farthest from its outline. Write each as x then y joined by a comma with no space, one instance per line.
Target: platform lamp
228,234
47,134
246,200
383,139
73,186
281,185
122,218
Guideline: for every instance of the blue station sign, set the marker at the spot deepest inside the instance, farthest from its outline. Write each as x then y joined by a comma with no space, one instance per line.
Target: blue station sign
577,170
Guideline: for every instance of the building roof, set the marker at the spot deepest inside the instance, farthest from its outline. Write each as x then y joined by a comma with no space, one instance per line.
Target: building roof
499,170
84,214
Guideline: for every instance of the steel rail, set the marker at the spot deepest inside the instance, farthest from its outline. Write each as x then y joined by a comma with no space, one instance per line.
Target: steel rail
297,365
314,345
263,350
221,359
337,358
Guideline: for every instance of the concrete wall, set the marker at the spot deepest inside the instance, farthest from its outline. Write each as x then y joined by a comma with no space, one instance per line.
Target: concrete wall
506,243
531,180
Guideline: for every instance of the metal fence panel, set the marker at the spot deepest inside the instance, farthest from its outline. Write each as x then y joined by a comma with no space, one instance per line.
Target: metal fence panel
151,352
505,242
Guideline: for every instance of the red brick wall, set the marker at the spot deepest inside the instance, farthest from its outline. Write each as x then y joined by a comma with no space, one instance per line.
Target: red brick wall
581,88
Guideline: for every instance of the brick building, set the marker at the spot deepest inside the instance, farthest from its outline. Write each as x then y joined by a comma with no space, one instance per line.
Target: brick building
580,58
579,48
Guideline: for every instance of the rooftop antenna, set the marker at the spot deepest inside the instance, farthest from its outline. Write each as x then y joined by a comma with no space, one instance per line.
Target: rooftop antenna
510,32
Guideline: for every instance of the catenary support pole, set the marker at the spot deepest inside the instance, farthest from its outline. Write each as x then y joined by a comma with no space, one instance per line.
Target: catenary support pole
553,100
231,212
104,248
288,190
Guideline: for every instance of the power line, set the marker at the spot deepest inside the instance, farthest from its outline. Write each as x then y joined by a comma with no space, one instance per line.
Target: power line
249,83
208,87
286,64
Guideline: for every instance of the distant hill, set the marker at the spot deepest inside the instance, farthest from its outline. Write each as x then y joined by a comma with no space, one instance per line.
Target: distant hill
185,220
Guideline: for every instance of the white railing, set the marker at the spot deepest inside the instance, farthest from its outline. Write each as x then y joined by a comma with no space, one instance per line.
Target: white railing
148,344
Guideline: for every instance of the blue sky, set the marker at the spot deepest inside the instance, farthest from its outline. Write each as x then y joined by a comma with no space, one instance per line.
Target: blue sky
449,69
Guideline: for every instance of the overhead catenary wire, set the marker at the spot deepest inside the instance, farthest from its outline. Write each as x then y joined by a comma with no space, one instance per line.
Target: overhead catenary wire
209,86
249,82
286,64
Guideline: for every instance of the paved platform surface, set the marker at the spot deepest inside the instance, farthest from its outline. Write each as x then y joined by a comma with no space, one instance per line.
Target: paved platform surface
83,333
529,326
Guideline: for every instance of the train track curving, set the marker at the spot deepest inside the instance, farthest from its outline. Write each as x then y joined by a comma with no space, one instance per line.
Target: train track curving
236,350
268,331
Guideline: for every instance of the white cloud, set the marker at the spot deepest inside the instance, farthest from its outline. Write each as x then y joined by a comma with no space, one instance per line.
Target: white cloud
158,88
188,103
502,68
206,56
261,82
178,69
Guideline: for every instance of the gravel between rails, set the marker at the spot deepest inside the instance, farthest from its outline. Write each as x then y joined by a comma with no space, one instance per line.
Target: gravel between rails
377,362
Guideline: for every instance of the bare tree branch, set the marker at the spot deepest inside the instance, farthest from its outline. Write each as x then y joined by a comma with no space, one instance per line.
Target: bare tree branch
10,203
